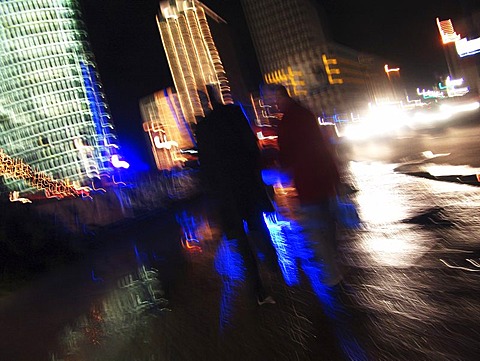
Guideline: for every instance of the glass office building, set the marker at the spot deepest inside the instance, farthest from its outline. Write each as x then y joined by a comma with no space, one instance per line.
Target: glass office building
53,113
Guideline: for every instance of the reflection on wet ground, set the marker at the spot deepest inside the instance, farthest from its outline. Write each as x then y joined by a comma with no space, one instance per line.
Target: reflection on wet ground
173,288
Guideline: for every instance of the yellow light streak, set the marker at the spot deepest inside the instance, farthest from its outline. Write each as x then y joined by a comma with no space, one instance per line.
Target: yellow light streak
388,70
53,188
331,71
292,79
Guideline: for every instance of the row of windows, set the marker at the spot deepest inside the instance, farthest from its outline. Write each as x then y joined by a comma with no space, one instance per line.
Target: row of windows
19,59
20,42
35,97
22,5
39,64
62,127
24,108
39,123
50,87
46,76
57,163
20,17
41,75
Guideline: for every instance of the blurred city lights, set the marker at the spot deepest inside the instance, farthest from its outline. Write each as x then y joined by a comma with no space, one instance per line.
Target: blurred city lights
56,115
448,34
53,188
117,163
392,119
467,47
389,70
292,79
463,46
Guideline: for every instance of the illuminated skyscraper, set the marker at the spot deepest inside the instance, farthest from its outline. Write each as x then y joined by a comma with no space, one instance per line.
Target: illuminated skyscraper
53,113
191,53
169,115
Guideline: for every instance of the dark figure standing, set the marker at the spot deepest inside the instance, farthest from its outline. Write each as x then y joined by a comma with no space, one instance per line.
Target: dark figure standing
229,159
309,157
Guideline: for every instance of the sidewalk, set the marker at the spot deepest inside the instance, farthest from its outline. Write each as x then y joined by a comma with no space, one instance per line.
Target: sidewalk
171,288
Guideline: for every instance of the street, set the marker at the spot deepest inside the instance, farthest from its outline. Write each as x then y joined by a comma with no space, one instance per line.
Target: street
458,144
172,288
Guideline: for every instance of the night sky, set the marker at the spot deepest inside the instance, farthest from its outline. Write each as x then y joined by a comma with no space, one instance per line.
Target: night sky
126,42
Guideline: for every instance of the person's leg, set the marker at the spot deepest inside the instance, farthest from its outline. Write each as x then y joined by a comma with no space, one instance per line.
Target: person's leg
319,225
262,240
251,264
234,229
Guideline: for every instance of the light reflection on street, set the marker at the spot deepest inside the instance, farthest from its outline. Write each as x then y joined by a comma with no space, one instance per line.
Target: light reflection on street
384,205
119,315
395,251
400,266
230,267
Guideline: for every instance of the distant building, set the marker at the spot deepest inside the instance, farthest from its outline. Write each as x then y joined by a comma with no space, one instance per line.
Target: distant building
169,116
191,53
461,44
293,49
53,113
167,129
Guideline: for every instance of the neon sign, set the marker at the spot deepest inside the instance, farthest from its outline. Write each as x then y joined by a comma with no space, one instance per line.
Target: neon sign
450,85
388,70
448,34
331,71
429,94
466,47
463,46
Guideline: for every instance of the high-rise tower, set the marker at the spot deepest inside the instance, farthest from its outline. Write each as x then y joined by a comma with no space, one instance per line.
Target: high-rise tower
280,28
53,113
169,116
293,49
191,53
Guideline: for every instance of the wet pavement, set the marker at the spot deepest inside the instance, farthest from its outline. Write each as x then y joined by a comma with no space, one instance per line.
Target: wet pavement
172,288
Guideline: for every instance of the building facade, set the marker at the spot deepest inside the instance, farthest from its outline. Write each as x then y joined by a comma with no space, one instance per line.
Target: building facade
461,44
292,49
169,116
192,55
53,113
168,131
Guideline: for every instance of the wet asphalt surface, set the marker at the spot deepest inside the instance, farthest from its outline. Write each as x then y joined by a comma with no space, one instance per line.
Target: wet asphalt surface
172,288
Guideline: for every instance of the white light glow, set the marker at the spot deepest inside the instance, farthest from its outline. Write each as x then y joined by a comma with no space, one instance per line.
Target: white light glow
117,163
467,47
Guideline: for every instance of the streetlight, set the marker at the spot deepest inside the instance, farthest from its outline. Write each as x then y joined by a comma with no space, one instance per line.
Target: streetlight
388,71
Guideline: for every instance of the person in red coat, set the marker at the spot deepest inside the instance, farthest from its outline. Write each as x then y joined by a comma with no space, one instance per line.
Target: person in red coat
306,154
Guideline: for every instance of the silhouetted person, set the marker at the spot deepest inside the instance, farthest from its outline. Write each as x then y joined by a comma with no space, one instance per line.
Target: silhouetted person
229,159
308,156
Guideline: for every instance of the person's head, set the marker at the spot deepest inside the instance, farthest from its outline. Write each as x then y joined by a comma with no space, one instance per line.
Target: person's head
272,94
282,98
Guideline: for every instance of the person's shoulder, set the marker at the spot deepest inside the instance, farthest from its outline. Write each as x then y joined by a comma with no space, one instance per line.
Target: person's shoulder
231,108
202,125
299,109
305,112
